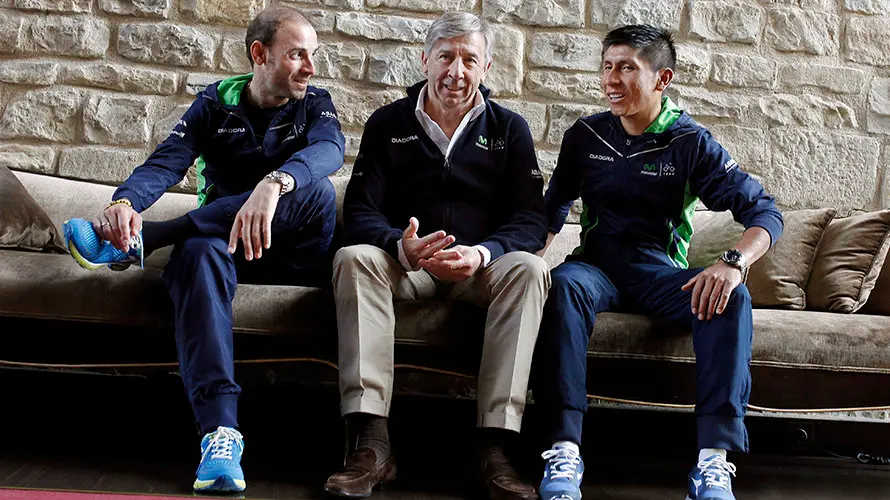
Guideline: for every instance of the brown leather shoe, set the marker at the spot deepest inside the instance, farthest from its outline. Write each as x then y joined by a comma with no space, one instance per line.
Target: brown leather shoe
501,479
361,474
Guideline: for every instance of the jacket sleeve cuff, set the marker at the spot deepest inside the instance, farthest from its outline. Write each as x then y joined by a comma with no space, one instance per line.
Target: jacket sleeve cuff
299,171
130,195
495,249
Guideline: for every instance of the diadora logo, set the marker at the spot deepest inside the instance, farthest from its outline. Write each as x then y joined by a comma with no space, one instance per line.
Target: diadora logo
329,114
601,157
403,140
660,170
730,165
482,142
238,130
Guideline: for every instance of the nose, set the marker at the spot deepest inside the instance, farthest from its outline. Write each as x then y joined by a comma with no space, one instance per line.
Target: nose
309,65
456,68
611,76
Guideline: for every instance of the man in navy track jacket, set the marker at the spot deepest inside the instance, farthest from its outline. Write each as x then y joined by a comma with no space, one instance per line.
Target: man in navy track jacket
444,166
264,144
640,169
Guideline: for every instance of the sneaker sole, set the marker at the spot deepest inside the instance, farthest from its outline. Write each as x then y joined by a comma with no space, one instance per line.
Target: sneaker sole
222,483
80,259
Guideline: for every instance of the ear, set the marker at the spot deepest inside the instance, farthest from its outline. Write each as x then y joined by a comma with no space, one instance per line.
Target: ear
258,52
423,61
665,77
485,71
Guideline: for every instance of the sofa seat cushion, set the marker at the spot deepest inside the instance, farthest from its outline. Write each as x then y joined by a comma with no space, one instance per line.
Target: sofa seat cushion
53,287
784,339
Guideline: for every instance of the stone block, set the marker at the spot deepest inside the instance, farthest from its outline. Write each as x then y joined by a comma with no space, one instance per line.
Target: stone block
196,82
868,40
165,125
546,164
879,106
701,102
120,77
798,30
340,60
54,5
838,79
234,12
99,164
505,76
583,87
436,6
813,169
12,32
397,65
339,4
693,65
234,56
534,113
38,159
355,105
116,120
29,72
167,44
567,13
563,116
615,13
743,71
322,20
565,51
884,200
49,115
353,143
737,21
78,36
140,8
749,147
807,110
874,7
379,27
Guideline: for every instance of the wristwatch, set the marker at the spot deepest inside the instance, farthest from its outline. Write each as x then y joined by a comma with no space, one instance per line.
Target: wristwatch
283,178
737,260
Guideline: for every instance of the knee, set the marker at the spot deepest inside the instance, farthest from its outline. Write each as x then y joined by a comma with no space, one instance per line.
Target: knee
530,268
199,255
320,193
359,257
740,297
203,248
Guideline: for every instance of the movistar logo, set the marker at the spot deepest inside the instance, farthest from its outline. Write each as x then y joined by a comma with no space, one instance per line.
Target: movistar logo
659,170
482,142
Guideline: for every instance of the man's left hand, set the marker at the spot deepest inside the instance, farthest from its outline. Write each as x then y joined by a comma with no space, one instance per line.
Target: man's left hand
711,289
253,223
454,264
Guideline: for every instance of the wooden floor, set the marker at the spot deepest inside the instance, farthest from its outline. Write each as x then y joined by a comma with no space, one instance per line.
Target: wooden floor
116,434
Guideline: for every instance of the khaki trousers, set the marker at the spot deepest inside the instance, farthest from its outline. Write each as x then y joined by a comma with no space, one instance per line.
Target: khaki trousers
367,280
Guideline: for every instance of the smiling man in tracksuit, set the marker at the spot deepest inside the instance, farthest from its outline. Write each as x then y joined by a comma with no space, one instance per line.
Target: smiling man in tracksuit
443,166
264,144
640,170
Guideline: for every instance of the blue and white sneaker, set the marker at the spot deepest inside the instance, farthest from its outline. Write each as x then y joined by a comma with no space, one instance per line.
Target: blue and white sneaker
711,479
220,467
562,474
92,252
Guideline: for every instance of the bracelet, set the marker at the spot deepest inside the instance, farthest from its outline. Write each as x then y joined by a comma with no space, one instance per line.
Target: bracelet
118,202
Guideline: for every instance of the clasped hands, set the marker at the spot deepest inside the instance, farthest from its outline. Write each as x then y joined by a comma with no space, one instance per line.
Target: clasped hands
429,253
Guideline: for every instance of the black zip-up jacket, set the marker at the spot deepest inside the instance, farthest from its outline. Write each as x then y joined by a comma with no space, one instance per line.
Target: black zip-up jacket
489,190
303,139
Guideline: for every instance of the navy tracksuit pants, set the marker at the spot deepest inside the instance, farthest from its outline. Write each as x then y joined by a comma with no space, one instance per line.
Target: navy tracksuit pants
722,345
201,279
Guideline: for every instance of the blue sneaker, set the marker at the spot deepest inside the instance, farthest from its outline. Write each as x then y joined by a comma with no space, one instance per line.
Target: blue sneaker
562,475
92,252
220,467
711,480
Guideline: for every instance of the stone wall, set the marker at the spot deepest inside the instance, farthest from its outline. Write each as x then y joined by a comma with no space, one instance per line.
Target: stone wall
797,90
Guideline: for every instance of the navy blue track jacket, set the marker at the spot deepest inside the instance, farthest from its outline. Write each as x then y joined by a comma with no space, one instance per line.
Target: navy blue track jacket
640,192
489,191
304,140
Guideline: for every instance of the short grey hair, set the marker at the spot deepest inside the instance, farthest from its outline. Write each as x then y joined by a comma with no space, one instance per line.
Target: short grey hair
454,24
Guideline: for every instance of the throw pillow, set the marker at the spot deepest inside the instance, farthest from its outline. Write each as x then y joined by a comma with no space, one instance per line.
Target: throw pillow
23,224
879,300
849,261
779,278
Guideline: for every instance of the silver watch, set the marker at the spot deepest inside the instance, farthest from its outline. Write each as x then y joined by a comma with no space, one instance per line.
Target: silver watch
283,178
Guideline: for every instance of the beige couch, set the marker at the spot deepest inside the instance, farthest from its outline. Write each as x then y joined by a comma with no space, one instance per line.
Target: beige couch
802,358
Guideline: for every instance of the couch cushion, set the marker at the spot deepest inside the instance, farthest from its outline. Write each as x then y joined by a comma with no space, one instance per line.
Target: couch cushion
24,225
787,339
848,261
879,300
779,278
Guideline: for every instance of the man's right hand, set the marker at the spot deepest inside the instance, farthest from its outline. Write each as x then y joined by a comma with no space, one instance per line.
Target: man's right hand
117,224
422,248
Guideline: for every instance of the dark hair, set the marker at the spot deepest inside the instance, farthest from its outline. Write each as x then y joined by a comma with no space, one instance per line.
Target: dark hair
656,45
264,26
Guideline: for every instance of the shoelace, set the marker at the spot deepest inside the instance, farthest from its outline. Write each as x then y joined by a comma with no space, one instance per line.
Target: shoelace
563,463
220,446
716,471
